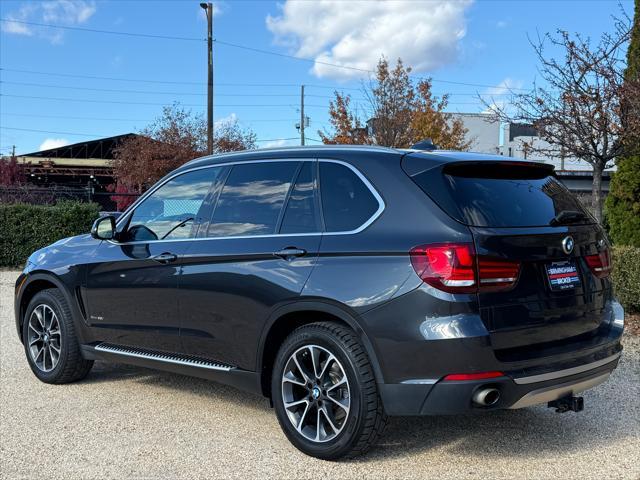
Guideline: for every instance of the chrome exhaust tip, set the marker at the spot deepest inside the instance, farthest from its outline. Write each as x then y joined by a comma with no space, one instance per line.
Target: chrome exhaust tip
486,397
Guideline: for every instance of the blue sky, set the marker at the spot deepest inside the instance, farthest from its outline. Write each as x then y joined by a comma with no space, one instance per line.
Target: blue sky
44,85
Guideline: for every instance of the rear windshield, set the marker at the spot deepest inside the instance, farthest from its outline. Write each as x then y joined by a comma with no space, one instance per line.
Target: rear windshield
502,195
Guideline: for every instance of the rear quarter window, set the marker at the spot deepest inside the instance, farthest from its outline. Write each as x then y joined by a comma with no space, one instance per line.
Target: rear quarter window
347,203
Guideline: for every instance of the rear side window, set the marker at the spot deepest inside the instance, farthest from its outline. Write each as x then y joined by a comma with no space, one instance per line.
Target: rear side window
301,214
502,195
252,198
347,203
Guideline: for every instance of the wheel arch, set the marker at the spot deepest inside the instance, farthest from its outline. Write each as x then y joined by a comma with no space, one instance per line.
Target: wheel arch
294,315
35,283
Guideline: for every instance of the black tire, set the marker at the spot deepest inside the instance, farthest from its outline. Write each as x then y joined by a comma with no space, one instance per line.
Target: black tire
366,419
71,366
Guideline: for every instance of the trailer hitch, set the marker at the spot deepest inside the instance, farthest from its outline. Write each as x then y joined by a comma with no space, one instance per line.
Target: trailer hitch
568,403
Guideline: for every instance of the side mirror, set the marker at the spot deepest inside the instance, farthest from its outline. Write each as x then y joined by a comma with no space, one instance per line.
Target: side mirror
104,228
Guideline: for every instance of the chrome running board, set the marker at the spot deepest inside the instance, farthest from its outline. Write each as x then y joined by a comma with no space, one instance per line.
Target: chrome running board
162,357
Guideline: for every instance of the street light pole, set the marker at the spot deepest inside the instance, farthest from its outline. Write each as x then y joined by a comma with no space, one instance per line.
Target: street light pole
208,7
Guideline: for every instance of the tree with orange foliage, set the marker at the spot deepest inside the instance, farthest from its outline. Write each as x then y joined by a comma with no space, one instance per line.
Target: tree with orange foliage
400,114
429,120
347,127
176,137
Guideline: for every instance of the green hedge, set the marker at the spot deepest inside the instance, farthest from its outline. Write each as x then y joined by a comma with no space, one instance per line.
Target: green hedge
626,276
26,228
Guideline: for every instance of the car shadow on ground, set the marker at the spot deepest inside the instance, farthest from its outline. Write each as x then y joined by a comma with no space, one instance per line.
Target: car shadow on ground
534,431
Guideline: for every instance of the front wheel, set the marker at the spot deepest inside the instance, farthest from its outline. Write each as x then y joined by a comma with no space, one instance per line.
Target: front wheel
50,341
324,392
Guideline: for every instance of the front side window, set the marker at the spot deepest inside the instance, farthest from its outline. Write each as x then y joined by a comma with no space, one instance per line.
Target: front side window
251,199
170,212
347,203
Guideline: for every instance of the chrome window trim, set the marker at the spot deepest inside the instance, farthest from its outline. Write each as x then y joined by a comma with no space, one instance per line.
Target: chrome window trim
381,205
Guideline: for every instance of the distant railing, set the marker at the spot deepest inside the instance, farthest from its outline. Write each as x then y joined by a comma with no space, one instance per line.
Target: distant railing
36,195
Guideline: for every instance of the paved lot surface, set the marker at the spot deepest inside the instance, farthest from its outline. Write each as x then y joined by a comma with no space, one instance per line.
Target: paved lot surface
126,422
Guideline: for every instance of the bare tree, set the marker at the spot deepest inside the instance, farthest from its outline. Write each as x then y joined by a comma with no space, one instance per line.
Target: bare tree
11,172
577,110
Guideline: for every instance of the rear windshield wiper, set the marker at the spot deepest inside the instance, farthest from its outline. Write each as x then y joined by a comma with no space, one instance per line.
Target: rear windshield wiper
568,216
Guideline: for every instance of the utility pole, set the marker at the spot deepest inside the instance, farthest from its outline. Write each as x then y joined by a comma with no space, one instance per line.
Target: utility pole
208,7
302,119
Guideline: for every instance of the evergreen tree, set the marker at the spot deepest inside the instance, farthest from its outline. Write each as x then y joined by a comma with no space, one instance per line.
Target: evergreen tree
623,202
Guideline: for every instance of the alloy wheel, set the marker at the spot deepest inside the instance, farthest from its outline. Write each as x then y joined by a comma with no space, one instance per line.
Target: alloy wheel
315,392
44,337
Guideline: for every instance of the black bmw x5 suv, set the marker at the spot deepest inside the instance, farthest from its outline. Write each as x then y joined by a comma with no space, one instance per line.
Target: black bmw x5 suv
345,284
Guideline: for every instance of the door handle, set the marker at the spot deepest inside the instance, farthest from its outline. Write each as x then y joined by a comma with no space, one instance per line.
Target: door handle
290,252
165,257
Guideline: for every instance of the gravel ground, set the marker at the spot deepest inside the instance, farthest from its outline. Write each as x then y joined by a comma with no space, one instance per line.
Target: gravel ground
137,423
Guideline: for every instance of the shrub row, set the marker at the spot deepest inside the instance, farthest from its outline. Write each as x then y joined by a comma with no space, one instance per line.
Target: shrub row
626,276
25,228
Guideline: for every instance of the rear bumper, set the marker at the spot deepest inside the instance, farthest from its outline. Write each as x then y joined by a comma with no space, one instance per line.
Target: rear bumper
454,397
414,385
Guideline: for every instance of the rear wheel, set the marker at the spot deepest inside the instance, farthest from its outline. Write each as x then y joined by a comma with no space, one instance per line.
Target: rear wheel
50,341
324,392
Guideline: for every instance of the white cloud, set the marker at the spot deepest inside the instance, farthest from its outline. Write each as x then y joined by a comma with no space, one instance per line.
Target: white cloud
278,143
231,118
426,35
22,14
53,143
505,87
498,96
501,24
59,12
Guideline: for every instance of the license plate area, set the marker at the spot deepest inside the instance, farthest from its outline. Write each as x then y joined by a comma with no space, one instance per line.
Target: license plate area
563,275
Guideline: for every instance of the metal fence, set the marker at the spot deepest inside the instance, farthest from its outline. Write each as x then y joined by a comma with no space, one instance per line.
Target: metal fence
108,201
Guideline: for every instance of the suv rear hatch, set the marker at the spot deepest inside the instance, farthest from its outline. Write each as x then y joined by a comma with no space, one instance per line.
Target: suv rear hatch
519,212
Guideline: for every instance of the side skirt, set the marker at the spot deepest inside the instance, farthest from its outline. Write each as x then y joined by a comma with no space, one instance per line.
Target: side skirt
176,363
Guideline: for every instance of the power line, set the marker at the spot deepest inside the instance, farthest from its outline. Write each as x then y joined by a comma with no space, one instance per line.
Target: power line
93,135
223,84
119,102
54,132
110,32
146,80
124,102
66,117
243,47
114,90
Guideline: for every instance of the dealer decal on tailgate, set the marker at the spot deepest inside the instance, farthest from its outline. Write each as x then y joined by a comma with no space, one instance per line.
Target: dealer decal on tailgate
563,275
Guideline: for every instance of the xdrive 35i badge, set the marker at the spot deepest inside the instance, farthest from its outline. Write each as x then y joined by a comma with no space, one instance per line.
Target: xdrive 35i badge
567,245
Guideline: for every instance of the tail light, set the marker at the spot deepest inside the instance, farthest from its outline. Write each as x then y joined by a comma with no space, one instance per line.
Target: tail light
455,268
447,266
600,263
496,273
